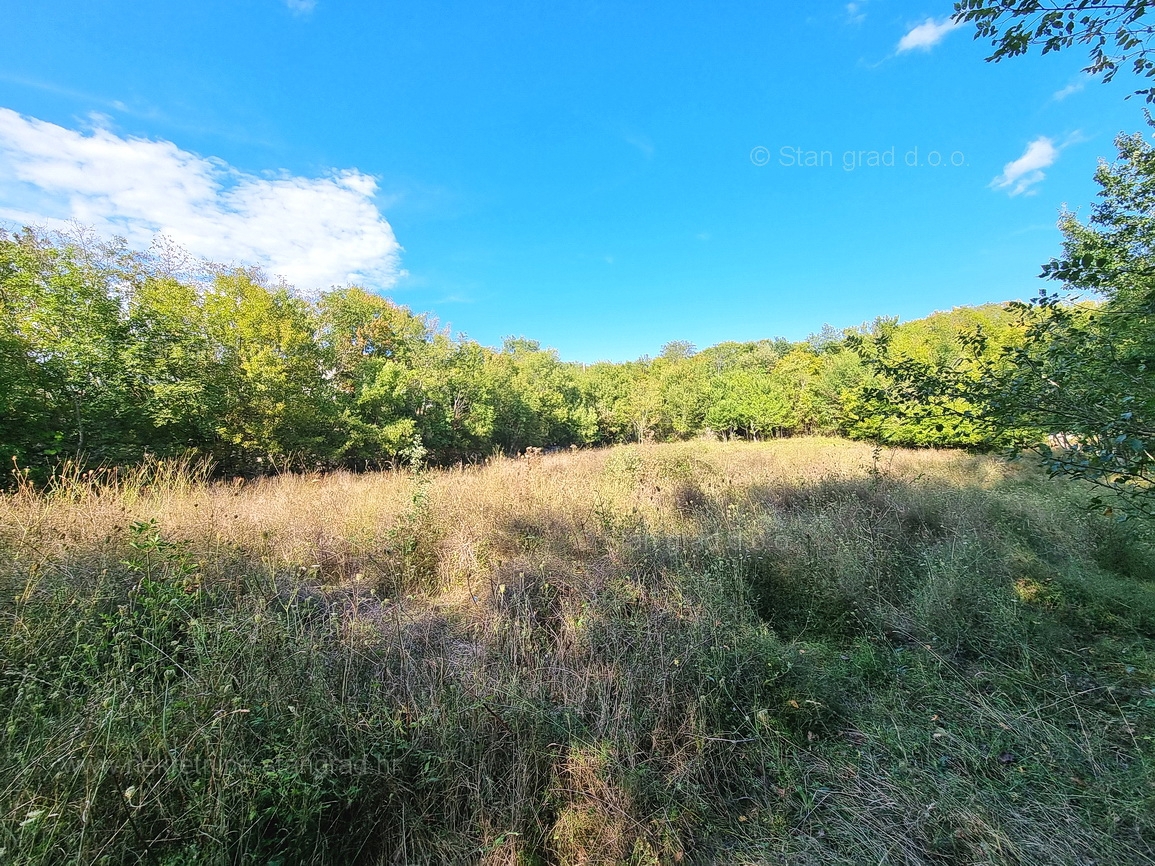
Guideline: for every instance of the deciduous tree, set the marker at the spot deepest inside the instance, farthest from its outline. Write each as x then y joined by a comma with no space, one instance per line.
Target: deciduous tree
1114,32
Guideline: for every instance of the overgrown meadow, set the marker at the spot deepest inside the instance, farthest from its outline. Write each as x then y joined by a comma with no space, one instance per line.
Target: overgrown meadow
798,652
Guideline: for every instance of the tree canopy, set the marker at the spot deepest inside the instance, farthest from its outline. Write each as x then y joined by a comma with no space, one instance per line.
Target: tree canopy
109,357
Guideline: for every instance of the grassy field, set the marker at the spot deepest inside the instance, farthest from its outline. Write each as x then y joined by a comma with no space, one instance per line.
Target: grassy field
798,652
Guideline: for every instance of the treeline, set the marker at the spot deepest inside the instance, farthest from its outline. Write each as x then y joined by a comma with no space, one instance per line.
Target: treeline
108,356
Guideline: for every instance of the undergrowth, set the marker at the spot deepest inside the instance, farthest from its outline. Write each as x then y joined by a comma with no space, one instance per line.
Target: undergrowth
785,653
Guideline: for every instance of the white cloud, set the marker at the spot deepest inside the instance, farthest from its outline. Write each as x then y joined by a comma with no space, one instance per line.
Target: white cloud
1026,171
301,7
1074,87
926,35
854,13
314,232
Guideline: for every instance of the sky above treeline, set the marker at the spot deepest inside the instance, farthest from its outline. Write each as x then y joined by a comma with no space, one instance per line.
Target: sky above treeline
601,177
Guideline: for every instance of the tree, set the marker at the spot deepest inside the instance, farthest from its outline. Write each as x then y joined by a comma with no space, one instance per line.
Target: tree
1015,26
277,404
1081,373
684,383
1084,373
371,347
930,380
64,331
1072,380
180,375
607,389
539,398
749,403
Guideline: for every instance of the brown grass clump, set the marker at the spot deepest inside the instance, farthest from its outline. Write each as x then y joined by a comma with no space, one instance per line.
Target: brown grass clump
593,826
802,651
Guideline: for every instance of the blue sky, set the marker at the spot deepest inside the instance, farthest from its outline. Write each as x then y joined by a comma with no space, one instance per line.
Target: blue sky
603,178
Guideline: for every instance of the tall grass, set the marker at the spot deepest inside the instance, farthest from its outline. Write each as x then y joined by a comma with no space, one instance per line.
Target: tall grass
795,652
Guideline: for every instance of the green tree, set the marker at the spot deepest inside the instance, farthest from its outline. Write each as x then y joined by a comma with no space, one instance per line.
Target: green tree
643,405
607,389
179,379
28,428
684,383
1084,373
1113,31
749,403
839,374
452,398
539,398
277,405
928,378
64,336
372,348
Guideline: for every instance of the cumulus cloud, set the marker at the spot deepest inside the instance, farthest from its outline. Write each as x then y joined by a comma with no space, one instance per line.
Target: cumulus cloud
314,232
301,7
926,35
1023,173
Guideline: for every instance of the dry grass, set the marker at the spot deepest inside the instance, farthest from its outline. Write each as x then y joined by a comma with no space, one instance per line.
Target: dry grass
796,652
